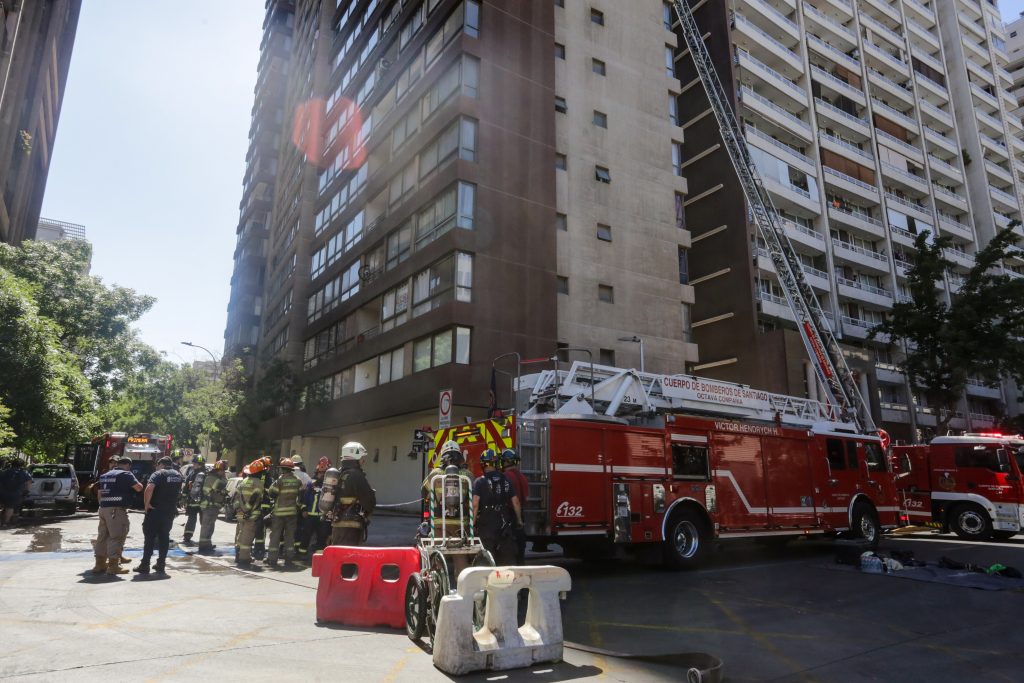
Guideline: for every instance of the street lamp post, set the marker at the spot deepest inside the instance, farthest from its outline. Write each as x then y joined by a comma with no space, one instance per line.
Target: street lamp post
216,363
636,340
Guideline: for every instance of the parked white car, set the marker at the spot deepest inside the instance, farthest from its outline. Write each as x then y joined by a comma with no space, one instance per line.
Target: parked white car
53,486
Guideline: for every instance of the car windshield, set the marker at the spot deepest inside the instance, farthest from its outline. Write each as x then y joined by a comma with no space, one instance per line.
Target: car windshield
50,472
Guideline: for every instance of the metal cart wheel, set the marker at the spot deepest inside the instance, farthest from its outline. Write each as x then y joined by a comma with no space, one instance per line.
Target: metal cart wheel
438,586
482,559
415,606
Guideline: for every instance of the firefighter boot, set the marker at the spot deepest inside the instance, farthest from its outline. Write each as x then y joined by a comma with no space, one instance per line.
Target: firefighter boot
159,567
114,566
125,560
143,567
101,565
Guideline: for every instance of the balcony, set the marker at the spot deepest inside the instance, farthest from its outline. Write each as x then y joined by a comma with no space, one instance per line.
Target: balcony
940,139
881,7
904,237
894,115
998,171
945,168
844,147
950,198
792,195
982,420
932,113
850,185
919,31
838,85
856,124
863,292
1004,199
997,147
749,36
913,151
804,235
775,113
976,387
777,148
857,328
855,219
778,21
904,178
984,97
836,33
830,52
898,90
774,306
934,88
955,227
920,12
874,260
1000,220
887,61
920,210
960,258
771,77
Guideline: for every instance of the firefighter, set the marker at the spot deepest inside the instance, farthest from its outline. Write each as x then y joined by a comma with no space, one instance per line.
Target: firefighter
451,456
495,509
354,500
212,499
286,492
259,546
193,495
249,498
510,468
315,531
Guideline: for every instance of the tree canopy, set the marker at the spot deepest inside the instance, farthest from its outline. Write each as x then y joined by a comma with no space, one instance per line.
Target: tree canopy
977,332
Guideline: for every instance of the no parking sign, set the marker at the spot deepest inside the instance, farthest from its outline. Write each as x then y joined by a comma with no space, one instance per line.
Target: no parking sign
444,409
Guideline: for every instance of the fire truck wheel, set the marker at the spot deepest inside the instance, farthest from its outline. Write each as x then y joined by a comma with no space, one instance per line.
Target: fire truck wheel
970,522
687,540
865,524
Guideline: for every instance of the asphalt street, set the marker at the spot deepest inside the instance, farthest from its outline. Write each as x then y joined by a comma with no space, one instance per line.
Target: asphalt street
771,614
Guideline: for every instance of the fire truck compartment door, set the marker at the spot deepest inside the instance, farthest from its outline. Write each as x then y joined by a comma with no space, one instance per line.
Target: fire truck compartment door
580,484
739,480
789,482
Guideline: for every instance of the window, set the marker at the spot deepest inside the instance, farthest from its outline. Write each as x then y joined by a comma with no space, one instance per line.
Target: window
442,148
390,366
467,205
562,284
411,28
680,211
606,293
597,17
673,109
600,119
442,348
468,72
559,3
604,233
421,354
851,455
668,16
448,279
978,456
437,350
875,457
690,462
472,18
560,105
602,174
684,266
670,61
561,222
677,158
560,162
559,51
834,454
462,337
338,290
399,245
606,357
395,307
436,218
598,67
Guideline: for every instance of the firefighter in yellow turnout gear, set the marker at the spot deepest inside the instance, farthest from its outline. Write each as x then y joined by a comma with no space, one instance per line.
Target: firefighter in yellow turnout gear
354,500
248,499
284,518
213,498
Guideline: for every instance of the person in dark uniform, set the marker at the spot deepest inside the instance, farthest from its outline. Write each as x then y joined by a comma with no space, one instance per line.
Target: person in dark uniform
161,504
355,499
495,509
510,468
114,490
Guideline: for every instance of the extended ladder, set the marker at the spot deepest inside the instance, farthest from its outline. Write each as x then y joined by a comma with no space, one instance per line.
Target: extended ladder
824,351
618,392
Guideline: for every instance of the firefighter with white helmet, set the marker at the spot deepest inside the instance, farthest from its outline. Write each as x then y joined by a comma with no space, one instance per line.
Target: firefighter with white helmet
451,457
354,499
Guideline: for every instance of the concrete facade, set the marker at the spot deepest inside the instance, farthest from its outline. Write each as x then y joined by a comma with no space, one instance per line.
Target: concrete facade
36,39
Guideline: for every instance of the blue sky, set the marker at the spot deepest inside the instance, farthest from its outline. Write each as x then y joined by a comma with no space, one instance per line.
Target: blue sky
151,148
150,154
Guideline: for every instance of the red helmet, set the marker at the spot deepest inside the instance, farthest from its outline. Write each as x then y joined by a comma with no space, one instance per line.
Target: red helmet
286,464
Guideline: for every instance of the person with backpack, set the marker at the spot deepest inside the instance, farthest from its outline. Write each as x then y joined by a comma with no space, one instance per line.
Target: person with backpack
193,494
496,509
213,494
354,501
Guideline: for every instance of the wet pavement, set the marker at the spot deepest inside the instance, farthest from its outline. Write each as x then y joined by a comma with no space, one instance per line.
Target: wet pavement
776,614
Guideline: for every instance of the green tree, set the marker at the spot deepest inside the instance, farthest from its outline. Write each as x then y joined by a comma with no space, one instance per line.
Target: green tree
92,321
977,332
46,398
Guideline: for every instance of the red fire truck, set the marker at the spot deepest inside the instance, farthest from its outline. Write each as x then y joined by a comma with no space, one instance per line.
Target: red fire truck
93,459
970,485
621,457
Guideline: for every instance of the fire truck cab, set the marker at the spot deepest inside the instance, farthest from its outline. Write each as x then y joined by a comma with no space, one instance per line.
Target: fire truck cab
970,485
639,470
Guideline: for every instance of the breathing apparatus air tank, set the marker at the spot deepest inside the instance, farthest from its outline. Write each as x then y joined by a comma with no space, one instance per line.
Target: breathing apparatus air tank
452,492
329,490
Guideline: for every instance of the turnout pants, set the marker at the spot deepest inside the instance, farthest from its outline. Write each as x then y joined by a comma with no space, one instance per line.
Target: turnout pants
113,530
207,520
190,522
157,529
282,530
346,535
245,534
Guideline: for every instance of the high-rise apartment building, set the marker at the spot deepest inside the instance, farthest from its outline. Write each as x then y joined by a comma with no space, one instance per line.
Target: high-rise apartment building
869,121
36,39
453,180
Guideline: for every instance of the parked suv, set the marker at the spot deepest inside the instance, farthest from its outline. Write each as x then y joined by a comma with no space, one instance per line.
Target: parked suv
53,486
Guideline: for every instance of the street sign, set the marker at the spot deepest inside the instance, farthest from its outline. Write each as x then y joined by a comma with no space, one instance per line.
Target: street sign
444,409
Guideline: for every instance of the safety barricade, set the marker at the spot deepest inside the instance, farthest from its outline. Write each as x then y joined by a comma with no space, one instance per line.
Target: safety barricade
363,586
501,643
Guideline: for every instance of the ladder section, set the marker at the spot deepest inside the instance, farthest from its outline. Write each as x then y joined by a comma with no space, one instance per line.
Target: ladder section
824,351
619,392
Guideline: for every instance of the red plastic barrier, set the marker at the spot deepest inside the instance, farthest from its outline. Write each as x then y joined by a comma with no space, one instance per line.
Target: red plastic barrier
363,586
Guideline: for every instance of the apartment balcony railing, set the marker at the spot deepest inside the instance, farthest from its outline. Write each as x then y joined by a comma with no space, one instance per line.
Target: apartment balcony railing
913,23
1000,145
813,234
938,113
940,190
850,179
953,223
771,11
921,8
832,23
1001,220
836,111
879,27
889,196
985,96
961,257
1005,196
902,87
860,215
988,118
767,37
834,52
877,256
998,170
900,263
754,132
901,144
892,170
936,162
887,56
895,114
746,92
777,78
857,322
773,298
896,230
935,84
864,154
